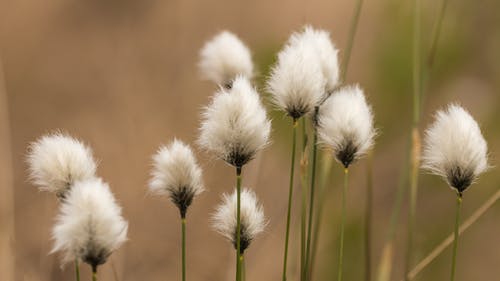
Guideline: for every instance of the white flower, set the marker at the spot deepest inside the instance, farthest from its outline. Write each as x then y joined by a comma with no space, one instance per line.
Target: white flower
56,161
454,148
326,51
235,125
346,124
296,82
90,225
251,216
176,174
224,57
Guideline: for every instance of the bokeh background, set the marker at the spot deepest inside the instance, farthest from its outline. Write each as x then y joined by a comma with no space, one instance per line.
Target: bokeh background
123,77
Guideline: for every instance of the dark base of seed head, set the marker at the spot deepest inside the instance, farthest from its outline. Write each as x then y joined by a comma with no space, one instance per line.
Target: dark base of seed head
347,154
238,159
182,199
244,241
460,179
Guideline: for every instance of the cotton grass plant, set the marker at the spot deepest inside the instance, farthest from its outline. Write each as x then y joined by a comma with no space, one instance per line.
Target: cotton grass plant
455,150
89,226
176,174
345,125
234,128
305,73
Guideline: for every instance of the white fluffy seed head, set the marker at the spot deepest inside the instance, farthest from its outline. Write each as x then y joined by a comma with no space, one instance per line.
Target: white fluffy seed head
346,124
252,218
90,225
224,57
296,82
177,175
324,48
235,125
56,161
454,148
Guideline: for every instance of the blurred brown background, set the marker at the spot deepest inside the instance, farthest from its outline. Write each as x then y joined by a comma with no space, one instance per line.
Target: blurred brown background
122,76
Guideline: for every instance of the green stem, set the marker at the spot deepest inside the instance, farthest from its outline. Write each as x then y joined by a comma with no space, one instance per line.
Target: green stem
238,223
436,33
304,165
455,241
94,273
368,217
183,226
342,225
417,90
311,203
350,41
290,193
77,270
243,268
326,167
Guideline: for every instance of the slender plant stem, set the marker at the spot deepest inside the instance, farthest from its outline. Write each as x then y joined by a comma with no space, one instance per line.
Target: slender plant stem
243,268
350,40
455,241
303,166
447,242
183,226
94,273
238,223
368,216
436,33
290,194
342,224
417,90
311,203
326,167
77,270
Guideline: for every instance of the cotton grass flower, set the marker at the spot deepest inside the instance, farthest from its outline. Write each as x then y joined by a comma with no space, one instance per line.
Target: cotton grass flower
454,148
177,175
57,161
296,82
90,226
326,51
253,221
235,125
225,57
346,124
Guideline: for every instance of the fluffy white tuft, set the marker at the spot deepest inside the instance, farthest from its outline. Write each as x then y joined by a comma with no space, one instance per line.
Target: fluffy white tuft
454,148
90,226
296,82
176,174
251,214
346,124
56,161
224,57
326,51
235,125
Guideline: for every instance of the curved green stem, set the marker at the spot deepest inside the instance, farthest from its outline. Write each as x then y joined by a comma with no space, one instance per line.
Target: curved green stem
290,193
238,223
342,224
455,241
